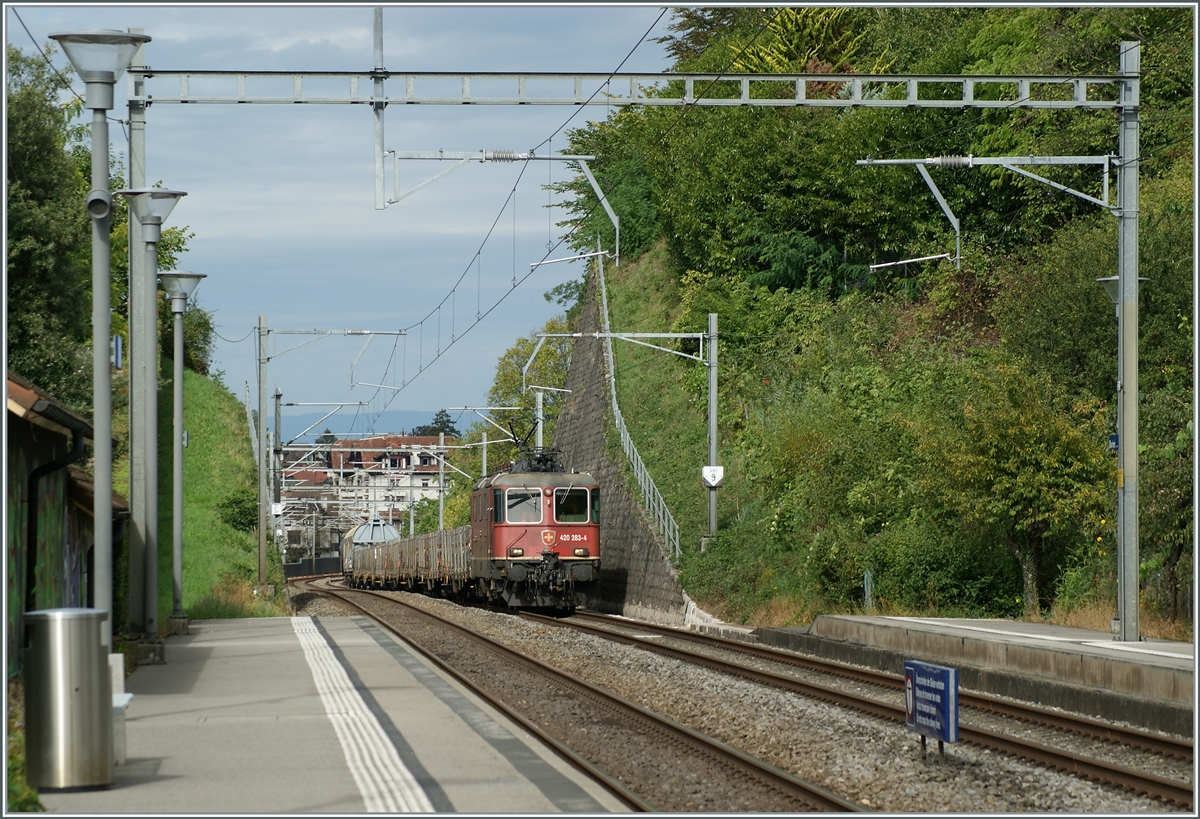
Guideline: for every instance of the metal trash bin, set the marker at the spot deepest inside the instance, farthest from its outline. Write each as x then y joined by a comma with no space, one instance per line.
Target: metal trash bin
68,700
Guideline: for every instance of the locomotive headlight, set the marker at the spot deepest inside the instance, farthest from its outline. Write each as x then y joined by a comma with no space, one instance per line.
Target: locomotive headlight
516,552
581,553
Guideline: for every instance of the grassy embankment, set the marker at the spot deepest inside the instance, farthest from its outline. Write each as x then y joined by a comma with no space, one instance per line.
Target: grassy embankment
220,560
670,431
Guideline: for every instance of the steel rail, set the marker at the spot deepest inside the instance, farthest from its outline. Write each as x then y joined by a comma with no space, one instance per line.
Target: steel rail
1136,781
1175,748
815,795
631,800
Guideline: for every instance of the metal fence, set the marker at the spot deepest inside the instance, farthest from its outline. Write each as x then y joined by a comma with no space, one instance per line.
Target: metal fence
313,566
656,507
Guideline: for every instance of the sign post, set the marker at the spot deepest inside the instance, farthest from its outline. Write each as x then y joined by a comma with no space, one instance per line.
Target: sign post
931,703
713,476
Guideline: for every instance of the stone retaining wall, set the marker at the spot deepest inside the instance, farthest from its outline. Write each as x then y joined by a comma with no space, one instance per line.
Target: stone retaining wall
637,580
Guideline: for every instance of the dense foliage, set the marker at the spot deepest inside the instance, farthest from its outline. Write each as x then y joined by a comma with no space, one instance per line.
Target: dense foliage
49,249
941,426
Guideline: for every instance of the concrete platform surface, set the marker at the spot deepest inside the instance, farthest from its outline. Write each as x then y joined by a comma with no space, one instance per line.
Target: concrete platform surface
1149,683
1158,669
264,716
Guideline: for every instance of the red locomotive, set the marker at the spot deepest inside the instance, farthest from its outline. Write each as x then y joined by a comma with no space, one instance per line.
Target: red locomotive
533,542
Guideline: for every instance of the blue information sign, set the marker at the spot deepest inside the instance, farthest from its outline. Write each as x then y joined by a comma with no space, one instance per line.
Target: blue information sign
931,700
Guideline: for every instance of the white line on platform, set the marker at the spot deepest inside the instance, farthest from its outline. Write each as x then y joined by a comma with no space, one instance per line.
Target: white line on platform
1048,637
1140,650
386,784
944,624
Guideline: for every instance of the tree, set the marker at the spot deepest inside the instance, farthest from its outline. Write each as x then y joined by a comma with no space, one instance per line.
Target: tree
1016,456
810,40
696,29
48,250
569,295
548,369
327,437
441,423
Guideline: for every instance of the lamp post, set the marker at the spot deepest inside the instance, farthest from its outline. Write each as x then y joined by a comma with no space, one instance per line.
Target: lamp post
179,284
100,57
150,206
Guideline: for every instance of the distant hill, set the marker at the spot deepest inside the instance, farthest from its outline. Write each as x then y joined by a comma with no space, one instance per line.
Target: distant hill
349,423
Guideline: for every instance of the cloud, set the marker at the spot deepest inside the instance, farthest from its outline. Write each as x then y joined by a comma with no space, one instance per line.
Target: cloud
281,197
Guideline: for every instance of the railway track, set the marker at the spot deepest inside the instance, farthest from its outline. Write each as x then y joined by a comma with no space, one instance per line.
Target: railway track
651,638
648,761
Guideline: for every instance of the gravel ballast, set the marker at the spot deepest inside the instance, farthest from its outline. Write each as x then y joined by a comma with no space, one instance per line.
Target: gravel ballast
865,759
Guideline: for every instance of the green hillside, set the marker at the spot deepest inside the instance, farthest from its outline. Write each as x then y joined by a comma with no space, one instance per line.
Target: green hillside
220,541
220,504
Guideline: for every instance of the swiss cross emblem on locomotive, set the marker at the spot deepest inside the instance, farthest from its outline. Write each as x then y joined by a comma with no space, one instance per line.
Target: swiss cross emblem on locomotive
548,536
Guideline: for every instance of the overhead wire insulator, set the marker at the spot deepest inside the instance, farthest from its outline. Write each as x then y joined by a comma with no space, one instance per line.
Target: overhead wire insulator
502,156
951,161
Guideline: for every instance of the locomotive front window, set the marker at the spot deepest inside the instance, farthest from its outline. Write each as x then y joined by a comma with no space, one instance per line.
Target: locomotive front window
524,506
571,505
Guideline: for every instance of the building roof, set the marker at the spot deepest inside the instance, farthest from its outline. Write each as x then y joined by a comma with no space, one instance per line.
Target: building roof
32,403
307,477
82,490
373,449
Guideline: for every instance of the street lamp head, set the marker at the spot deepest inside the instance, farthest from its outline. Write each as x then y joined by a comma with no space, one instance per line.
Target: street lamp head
1112,286
180,283
151,205
100,57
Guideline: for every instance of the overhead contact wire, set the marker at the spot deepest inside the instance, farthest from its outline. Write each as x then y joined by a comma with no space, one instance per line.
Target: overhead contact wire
517,282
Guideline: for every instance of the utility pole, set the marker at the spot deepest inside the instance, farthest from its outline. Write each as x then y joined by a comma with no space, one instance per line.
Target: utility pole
711,474
264,501
712,420
537,419
277,466
378,104
1124,296
138,358
1127,330
441,479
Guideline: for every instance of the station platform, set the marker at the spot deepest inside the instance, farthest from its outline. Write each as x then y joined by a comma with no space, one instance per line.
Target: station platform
1150,684
320,715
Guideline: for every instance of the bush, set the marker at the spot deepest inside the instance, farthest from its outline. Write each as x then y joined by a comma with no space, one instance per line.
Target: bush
918,566
239,510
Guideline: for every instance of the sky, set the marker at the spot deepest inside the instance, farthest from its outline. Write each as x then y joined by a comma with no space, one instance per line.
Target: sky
280,198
